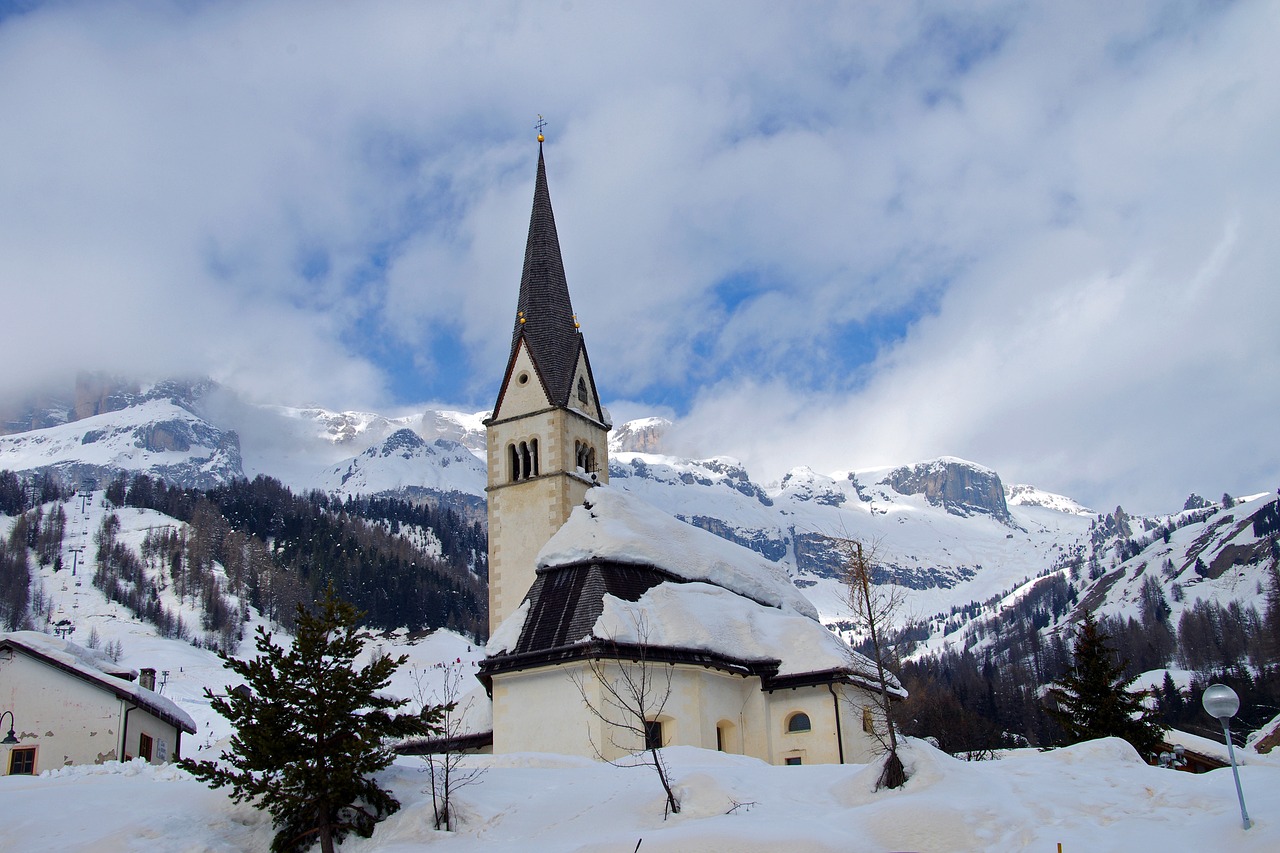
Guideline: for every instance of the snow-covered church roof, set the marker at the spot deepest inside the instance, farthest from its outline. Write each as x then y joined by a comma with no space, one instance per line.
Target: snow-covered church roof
617,526
622,571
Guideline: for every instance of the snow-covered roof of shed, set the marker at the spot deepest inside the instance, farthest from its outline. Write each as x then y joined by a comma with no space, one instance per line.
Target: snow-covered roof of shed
85,663
70,653
617,526
1202,745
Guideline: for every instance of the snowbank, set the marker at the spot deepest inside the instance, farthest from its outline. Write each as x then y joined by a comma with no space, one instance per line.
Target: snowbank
1096,796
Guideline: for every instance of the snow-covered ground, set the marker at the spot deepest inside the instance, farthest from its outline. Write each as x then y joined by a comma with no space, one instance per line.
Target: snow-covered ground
1096,796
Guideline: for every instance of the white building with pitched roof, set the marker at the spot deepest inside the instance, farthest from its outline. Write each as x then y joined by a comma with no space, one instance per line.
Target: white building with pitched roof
70,705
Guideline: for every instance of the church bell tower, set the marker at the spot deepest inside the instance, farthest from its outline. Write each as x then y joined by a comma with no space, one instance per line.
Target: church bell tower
547,438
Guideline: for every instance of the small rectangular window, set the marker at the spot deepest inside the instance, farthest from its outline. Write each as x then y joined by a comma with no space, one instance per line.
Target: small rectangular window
794,761
868,721
22,761
653,734
144,747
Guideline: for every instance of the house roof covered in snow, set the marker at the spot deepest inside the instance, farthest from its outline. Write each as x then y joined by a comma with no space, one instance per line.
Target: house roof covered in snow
89,666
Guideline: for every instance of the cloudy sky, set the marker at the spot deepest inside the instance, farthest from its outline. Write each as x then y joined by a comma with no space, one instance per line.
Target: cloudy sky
1041,236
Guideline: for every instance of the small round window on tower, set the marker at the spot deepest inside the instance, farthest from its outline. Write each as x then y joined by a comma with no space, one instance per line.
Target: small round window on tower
523,378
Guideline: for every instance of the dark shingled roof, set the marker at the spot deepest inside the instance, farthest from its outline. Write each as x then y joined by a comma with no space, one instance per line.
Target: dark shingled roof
566,601
548,329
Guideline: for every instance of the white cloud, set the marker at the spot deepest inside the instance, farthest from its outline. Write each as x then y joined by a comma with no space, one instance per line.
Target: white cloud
1075,202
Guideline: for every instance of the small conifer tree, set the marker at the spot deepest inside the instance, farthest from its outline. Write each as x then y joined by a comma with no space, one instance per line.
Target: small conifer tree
1093,699
311,730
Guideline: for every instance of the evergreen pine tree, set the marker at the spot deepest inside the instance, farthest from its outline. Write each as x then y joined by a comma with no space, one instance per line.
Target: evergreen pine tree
1093,699
1271,617
311,730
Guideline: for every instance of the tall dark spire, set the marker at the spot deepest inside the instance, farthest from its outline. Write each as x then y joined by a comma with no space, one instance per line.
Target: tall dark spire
544,315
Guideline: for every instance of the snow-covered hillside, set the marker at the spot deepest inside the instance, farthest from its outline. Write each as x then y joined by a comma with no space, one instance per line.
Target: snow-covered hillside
185,665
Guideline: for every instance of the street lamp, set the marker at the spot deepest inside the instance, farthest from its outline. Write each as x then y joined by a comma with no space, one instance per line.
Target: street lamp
1222,702
9,739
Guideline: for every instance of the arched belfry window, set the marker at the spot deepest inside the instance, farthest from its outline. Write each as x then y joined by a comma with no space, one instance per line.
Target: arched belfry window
799,722
584,456
582,390
522,460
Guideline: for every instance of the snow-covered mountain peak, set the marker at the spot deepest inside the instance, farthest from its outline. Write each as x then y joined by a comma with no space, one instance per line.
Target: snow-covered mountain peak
158,436
643,435
466,428
804,484
1024,495
346,427
957,485
404,461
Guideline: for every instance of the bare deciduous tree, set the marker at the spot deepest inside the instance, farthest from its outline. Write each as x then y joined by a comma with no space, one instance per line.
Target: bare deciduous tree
446,767
633,692
874,608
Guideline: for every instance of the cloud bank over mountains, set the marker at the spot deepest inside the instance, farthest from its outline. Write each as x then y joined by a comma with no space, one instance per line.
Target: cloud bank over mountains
829,234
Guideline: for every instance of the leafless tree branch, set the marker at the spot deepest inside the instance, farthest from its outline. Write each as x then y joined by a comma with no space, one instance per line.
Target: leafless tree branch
633,694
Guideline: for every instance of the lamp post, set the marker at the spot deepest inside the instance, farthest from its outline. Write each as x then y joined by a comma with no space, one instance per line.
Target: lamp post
9,739
1222,702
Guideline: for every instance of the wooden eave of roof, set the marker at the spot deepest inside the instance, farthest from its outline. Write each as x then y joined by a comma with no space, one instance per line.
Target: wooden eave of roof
493,421
1193,756
596,649
794,680
438,746
104,682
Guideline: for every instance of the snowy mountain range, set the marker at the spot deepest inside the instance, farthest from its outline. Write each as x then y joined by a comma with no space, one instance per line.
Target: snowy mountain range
947,530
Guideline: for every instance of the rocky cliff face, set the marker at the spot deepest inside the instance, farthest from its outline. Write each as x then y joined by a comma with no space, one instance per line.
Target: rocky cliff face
959,487
639,436
96,394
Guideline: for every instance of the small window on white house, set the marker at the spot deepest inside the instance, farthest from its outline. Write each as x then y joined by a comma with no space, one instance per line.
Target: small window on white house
799,722
653,734
144,747
793,761
22,761
868,720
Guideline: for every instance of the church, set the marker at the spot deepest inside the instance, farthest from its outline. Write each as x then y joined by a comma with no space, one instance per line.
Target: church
613,625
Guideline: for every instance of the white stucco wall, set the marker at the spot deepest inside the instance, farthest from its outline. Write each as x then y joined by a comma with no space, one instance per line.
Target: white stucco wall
71,721
818,745
542,710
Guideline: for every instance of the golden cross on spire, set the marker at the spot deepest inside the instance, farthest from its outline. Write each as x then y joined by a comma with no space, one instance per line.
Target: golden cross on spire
540,125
